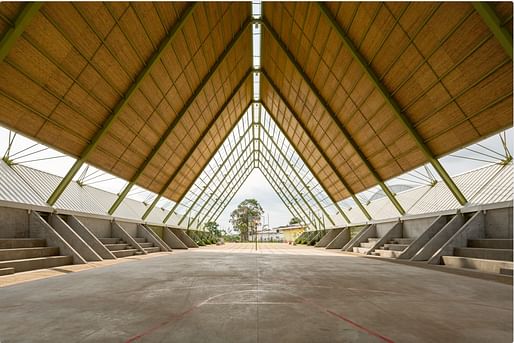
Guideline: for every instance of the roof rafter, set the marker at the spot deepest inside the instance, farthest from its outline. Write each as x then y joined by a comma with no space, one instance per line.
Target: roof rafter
207,129
494,23
214,176
22,21
154,59
334,117
393,104
311,137
296,173
307,165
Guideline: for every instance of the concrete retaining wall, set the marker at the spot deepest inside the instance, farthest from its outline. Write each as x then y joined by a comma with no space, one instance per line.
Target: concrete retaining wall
362,236
119,232
72,238
184,238
413,228
89,237
14,223
129,227
340,240
99,227
328,237
395,231
143,231
498,223
424,238
172,240
39,228
438,240
474,228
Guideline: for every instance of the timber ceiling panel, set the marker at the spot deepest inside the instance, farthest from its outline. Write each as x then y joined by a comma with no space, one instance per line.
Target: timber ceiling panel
300,140
440,62
213,138
75,61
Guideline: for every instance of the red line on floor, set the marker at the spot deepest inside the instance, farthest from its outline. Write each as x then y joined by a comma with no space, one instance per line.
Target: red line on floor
160,325
360,327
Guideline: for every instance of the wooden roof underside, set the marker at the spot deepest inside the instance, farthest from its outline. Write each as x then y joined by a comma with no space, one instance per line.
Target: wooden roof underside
75,61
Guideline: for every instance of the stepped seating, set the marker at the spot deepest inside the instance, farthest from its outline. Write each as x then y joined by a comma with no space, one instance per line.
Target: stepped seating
394,248
489,255
364,247
147,246
24,254
119,247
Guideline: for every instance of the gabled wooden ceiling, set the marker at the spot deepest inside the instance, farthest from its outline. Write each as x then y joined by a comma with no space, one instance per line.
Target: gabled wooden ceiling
75,62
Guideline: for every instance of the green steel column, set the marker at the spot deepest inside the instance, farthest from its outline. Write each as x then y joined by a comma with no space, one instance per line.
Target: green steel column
296,173
120,106
493,22
281,193
335,118
309,168
393,104
183,111
321,151
287,177
274,172
245,168
208,161
228,173
214,176
30,9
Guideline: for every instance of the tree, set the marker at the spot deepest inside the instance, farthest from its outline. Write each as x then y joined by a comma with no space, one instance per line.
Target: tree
295,220
246,217
213,228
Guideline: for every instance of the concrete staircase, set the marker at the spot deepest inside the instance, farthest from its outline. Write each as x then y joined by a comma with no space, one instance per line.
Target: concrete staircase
393,248
490,255
364,247
119,247
24,254
147,246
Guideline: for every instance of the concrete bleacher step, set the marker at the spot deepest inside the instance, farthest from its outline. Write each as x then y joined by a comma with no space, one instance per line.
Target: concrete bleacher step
360,250
367,244
117,246
485,253
24,253
483,265
15,243
109,240
387,253
124,253
373,239
395,247
27,264
146,245
403,241
491,243
6,271
506,271
152,249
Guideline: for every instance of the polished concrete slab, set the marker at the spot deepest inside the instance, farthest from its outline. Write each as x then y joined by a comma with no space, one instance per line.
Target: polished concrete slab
278,294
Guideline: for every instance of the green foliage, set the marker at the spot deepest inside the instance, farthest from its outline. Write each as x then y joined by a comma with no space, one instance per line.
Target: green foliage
295,220
245,217
213,228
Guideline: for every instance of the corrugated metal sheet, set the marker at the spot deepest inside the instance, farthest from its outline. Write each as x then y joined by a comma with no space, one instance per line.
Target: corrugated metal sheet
106,199
499,189
13,188
74,198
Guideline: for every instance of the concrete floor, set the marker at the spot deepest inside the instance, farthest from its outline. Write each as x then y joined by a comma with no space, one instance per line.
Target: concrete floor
232,294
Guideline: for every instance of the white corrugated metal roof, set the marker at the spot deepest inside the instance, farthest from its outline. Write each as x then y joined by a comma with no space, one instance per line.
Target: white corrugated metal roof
14,189
74,198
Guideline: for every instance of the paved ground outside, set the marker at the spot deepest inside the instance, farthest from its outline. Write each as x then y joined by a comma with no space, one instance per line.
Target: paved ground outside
280,293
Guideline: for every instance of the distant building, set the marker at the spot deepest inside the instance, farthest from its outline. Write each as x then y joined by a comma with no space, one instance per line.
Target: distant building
267,234
290,232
